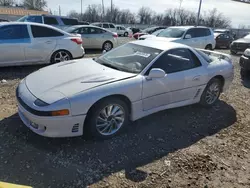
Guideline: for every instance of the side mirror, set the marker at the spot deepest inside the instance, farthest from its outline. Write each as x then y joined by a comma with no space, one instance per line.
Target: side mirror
156,73
187,36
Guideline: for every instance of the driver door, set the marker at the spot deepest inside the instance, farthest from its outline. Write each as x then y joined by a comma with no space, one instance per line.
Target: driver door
184,73
194,40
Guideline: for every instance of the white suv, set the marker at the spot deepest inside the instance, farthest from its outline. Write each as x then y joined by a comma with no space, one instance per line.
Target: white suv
196,37
109,26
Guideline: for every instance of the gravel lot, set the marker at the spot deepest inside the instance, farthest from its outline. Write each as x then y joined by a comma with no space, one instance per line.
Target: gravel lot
184,147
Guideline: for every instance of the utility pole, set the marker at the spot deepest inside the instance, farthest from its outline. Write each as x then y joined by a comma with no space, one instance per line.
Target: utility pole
111,8
81,9
59,10
102,10
198,16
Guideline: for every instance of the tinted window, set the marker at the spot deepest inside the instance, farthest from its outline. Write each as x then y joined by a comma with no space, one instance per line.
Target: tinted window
39,31
93,30
50,21
68,21
175,61
83,30
112,26
123,28
208,32
200,32
13,32
105,25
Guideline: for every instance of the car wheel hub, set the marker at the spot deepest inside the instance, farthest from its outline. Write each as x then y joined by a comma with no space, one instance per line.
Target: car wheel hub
212,93
110,119
61,56
107,46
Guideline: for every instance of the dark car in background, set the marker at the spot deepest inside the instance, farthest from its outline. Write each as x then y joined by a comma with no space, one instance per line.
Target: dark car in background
56,21
148,31
240,45
222,40
245,63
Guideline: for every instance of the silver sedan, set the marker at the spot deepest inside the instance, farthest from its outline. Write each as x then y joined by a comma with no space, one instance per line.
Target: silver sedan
95,37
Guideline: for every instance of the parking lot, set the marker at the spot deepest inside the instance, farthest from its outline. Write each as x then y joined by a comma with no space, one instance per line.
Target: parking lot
184,147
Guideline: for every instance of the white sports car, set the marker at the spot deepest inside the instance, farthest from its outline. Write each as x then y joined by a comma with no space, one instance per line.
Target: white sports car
101,95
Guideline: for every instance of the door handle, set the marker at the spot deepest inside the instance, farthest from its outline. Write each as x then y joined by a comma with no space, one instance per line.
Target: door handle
197,78
48,42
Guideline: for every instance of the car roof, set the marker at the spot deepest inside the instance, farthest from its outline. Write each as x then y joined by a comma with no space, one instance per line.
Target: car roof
159,44
187,27
54,16
32,23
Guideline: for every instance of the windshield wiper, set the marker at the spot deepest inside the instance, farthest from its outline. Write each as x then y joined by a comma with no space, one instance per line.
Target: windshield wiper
110,66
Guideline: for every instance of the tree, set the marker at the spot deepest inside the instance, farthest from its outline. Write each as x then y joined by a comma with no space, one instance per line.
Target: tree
145,15
7,2
35,4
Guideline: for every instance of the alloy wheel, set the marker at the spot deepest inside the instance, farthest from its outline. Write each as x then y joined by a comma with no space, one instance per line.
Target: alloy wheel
110,119
61,56
212,93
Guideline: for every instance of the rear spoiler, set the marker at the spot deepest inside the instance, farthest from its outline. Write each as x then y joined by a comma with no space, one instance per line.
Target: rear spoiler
219,55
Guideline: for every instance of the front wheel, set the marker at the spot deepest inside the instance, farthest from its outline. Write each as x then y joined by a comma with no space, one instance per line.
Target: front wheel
108,118
125,34
209,47
211,93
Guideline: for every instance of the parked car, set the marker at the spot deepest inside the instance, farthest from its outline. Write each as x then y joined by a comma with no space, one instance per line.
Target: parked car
100,95
156,33
225,31
147,31
245,63
122,31
196,37
95,37
106,25
134,29
32,43
56,21
240,45
222,40
83,23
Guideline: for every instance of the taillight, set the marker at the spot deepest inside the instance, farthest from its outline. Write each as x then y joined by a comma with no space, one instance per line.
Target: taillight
77,40
115,35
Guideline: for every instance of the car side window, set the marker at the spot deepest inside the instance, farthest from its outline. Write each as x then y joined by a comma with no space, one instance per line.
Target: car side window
83,30
112,26
176,60
68,21
40,32
12,32
50,21
95,30
192,32
105,25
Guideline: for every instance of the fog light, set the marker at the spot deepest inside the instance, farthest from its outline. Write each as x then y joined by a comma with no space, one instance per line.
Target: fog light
34,125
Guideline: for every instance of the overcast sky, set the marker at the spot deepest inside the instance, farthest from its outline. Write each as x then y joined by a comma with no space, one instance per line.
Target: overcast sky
238,12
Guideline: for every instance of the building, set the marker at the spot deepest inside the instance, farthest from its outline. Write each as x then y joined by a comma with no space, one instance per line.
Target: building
14,13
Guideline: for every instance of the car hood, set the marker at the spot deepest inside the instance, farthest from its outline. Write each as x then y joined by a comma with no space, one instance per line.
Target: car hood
243,40
62,80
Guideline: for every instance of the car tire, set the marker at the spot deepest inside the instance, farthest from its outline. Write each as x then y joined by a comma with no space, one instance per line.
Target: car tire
209,47
233,52
211,93
60,56
107,46
107,118
125,34
243,73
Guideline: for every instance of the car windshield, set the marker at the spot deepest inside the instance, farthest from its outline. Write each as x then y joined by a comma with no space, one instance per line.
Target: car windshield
156,33
130,58
70,29
247,37
172,32
148,30
37,19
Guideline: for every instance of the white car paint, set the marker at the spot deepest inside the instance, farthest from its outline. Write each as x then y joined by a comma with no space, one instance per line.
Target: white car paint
88,82
36,50
121,30
195,42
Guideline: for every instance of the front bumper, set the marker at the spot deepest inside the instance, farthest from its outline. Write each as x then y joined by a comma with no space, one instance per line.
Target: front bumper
239,47
49,126
245,62
67,126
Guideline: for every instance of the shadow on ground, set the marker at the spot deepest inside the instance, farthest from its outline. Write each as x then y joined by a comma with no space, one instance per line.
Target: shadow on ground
30,159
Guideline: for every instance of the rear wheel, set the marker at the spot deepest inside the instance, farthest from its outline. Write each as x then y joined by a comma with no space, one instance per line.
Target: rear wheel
107,46
233,52
107,118
211,93
209,47
125,34
60,56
